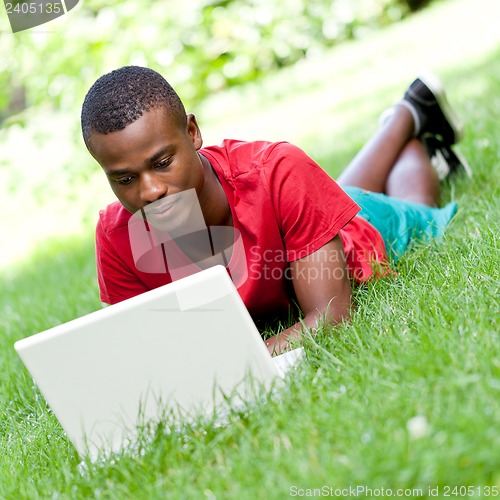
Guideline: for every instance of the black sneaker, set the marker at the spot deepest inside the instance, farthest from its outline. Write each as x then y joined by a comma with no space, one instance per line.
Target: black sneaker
444,159
426,100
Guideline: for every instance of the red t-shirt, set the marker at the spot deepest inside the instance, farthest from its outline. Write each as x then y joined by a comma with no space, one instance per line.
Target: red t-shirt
284,206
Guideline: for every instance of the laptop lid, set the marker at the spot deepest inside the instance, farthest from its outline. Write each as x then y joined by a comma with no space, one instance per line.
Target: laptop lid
180,347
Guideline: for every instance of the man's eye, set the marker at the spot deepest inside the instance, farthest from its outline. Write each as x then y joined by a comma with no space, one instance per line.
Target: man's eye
124,180
164,163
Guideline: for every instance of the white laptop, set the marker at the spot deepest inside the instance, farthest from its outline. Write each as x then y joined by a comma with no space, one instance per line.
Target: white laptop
181,349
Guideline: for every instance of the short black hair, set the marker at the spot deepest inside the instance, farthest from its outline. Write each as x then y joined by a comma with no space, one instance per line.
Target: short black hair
122,96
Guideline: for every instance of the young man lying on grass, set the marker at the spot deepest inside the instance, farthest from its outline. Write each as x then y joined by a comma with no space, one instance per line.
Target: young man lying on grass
286,231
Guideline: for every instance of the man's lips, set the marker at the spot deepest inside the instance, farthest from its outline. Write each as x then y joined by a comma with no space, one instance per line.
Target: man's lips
157,208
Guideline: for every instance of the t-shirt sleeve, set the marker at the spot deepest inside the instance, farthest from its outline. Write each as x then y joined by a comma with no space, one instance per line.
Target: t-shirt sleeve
116,281
310,206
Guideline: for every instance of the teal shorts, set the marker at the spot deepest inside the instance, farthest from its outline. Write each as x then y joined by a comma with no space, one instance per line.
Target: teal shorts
401,222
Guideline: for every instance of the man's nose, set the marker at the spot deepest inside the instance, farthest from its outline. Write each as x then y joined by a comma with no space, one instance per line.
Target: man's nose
152,188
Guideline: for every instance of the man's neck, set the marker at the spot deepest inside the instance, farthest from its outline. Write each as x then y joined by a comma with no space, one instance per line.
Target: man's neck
213,199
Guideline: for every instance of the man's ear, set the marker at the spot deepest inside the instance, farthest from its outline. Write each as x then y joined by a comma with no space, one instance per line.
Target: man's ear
194,131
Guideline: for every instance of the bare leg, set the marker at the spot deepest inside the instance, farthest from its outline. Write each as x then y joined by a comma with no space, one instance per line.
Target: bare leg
394,163
371,166
413,178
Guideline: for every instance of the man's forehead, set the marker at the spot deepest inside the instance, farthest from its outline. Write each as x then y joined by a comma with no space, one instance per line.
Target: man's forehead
152,126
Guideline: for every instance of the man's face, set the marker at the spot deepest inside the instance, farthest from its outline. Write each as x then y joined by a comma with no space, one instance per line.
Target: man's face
151,158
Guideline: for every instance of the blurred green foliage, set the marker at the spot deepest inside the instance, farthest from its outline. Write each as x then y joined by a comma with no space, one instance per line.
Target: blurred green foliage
200,46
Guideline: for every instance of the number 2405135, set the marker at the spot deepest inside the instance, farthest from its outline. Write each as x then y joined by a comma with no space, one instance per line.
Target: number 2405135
33,8
470,491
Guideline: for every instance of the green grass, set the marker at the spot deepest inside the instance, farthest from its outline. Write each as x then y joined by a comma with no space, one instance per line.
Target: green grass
425,344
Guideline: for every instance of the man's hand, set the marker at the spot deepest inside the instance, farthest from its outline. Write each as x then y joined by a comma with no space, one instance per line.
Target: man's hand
278,344
323,289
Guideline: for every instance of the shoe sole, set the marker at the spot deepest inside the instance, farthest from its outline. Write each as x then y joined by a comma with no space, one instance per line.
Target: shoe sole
463,163
436,87
443,164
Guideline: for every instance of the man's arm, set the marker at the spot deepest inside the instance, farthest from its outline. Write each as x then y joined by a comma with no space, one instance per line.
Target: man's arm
323,290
